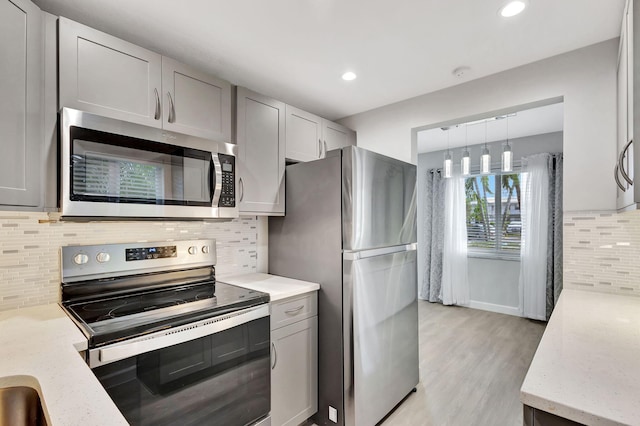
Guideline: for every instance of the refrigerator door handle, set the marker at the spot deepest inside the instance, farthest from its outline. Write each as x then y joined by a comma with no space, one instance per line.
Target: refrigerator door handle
363,254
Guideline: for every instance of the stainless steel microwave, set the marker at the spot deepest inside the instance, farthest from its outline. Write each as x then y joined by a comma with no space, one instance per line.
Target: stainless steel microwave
115,169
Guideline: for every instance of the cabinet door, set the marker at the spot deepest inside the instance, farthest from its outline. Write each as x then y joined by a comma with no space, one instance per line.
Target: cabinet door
625,197
108,76
195,103
336,136
260,154
21,44
304,135
294,372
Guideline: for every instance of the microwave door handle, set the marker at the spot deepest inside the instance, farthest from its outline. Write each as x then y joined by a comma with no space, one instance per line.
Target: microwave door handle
215,180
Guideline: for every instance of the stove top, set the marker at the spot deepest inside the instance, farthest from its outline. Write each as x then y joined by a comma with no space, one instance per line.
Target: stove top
117,318
116,292
104,310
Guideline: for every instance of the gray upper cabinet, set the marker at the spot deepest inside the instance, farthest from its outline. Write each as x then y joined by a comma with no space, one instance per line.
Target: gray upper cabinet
309,137
104,75
304,135
111,77
628,189
196,103
261,146
336,136
21,44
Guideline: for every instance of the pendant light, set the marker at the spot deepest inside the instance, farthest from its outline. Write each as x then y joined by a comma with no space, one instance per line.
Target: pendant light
465,163
507,155
448,162
485,158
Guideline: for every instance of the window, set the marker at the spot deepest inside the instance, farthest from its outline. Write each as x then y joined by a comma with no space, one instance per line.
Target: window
494,223
103,175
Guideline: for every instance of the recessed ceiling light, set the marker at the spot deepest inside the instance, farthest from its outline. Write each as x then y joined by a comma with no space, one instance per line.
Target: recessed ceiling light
348,76
512,8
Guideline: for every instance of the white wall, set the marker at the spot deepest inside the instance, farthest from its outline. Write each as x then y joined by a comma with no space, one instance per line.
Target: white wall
584,78
494,284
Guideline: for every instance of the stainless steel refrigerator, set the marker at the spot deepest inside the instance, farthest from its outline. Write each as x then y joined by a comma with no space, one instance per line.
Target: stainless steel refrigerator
350,226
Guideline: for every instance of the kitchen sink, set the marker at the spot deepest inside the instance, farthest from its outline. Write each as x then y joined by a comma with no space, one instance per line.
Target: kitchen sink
21,406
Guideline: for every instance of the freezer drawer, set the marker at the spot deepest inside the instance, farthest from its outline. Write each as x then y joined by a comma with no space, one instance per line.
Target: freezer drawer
378,200
381,365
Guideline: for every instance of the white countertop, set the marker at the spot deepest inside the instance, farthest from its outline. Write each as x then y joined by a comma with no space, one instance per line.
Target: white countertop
278,287
587,366
39,348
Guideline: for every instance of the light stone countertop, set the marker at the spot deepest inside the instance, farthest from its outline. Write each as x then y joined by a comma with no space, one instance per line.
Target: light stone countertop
587,365
39,348
278,287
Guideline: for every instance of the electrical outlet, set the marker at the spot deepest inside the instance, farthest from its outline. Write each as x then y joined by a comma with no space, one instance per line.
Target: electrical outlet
333,414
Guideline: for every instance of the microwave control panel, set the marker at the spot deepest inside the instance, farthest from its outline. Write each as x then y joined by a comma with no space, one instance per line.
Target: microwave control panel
228,194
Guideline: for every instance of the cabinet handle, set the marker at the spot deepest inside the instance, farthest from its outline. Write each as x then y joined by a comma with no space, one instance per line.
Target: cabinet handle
325,149
157,114
319,148
615,175
623,172
294,311
275,355
172,109
241,189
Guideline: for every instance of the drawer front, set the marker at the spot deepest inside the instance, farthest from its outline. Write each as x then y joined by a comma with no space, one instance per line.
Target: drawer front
288,311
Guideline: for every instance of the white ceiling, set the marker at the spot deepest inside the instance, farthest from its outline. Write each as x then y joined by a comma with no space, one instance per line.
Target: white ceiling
296,50
534,121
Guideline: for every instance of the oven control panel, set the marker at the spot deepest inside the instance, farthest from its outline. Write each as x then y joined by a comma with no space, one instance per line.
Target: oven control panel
79,262
228,193
143,253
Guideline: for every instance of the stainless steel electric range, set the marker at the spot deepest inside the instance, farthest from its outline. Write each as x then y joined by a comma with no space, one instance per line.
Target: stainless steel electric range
169,343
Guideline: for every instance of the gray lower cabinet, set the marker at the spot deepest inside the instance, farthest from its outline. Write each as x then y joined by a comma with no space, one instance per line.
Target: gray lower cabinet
111,77
535,417
294,361
21,44
261,144
309,137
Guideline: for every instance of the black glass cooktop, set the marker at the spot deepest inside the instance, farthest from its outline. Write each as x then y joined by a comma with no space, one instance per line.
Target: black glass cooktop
107,320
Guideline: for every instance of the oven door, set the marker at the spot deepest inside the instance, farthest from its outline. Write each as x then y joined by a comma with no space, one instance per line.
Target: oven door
113,168
222,378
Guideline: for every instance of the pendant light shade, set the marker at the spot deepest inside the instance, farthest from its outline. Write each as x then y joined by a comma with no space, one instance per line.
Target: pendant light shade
448,165
465,163
507,155
507,158
485,161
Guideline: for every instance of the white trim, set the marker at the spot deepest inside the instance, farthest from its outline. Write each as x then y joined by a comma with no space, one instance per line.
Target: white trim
491,307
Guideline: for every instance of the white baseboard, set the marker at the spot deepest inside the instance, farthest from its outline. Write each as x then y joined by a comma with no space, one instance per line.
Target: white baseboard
501,309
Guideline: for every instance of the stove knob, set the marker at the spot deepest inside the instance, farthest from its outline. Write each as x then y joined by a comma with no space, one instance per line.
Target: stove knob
205,249
103,257
80,259
193,250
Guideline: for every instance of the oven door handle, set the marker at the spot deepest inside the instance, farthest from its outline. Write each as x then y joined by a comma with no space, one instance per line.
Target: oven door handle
174,336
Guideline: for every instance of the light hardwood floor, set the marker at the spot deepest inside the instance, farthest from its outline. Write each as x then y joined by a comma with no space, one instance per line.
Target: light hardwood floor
472,364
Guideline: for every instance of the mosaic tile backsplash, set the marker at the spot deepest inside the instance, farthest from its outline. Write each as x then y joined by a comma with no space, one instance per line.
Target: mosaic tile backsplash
30,245
602,252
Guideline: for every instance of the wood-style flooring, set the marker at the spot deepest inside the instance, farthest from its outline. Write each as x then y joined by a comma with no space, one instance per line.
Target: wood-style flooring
472,364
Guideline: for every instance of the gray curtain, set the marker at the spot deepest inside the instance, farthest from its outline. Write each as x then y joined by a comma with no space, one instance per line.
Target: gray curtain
433,236
554,241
